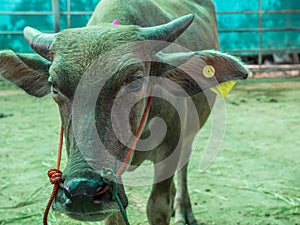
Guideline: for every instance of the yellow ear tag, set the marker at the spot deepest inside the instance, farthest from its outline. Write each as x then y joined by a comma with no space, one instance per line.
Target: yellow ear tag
208,71
223,89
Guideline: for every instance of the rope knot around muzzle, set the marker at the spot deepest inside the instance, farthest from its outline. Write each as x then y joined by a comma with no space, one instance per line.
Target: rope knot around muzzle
109,178
54,175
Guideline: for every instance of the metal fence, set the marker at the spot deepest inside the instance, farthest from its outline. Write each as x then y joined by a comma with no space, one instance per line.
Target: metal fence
259,29
55,13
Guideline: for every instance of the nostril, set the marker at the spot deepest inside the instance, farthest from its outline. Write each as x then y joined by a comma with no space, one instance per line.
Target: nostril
102,194
67,192
68,202
101,190
82,188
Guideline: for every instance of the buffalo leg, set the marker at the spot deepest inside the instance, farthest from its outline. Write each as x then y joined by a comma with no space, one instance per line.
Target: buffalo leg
182,206
160,203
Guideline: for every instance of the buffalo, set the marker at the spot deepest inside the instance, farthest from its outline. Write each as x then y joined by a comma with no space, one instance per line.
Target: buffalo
114,84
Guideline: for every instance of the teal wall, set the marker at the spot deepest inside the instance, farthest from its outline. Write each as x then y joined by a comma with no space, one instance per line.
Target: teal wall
16,23
250,40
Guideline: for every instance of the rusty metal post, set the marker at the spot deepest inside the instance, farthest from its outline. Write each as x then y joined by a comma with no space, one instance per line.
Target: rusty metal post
260,25
69,13
56,15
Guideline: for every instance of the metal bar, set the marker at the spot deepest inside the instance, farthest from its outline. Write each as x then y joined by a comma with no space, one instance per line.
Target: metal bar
21,13
263,51
68,13
10,32
279,69
260,32
295,59
79,13
260,29
56,15
18,32
264,11
269,68
37,13
291,11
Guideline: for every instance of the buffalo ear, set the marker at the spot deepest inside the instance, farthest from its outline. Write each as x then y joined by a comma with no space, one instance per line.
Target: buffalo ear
28,71
195,72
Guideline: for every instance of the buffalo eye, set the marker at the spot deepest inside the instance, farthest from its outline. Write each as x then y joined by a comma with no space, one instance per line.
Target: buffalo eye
54,89
137,81
136,85
57,95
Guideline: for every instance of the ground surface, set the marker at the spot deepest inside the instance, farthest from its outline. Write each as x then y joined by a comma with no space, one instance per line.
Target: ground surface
254,181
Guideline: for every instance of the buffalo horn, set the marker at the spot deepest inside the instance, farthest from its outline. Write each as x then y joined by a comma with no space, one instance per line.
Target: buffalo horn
39,42
167,32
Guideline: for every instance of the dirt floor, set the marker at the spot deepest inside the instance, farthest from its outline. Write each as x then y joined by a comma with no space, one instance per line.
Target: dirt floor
255,179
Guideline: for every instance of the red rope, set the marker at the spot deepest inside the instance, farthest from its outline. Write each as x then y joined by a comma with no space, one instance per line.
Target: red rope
136,137
54,175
